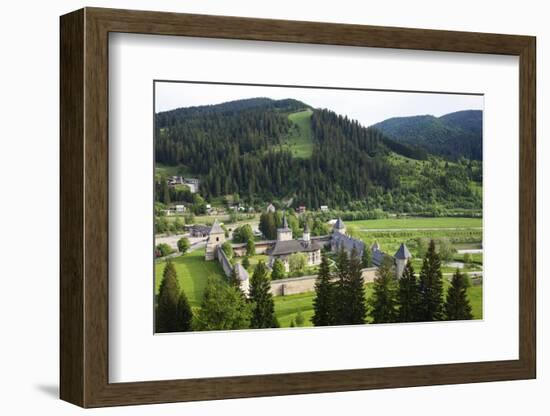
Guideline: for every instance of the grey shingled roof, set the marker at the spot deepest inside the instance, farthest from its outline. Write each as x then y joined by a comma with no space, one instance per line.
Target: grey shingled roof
216,228
377,257
293,246
339,224
348,243
403,252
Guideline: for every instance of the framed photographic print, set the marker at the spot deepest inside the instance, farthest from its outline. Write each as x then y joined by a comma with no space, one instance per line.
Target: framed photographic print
256,207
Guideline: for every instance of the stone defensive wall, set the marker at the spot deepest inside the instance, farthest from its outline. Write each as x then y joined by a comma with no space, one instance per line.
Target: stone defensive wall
303,284
224,261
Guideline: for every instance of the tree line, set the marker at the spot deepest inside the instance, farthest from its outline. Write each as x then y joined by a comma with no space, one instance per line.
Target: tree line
340,297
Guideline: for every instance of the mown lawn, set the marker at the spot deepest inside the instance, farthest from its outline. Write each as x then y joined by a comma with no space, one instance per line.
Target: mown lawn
193,271
286,307
417,222
300,141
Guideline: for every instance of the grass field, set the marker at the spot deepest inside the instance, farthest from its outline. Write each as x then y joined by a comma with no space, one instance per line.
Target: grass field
193,272
300,141
286,307
417,222
391,232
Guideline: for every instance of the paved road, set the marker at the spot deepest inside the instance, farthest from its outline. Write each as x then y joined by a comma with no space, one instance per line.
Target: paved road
172,240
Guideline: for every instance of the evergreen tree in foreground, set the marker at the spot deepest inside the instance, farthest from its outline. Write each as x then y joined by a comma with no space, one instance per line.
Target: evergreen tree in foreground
366,259
457,305
278,270
263,307
223,307
184,314
167,301
431,287
233,279
323,302
383,302
355,291
339,313
408,296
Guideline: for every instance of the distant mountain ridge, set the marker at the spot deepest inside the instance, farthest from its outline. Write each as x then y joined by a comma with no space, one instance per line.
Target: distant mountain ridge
451,136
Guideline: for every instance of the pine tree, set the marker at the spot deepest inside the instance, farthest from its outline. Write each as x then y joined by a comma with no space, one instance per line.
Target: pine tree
223,307
263,307
457,305
323,301
383,302
250,247
340,287
167,301
408,296
355,292
278,270
367,257
233,279
246,263
184,314
431,287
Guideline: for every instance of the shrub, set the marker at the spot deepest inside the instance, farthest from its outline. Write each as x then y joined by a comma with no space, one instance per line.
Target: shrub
164,250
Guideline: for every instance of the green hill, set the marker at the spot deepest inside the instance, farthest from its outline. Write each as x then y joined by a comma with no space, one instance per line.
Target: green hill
451,136
266,150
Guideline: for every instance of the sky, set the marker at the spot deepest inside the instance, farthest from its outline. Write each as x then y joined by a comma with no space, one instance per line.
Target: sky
366,106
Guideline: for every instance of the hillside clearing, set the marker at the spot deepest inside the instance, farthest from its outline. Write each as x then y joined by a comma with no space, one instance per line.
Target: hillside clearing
300,140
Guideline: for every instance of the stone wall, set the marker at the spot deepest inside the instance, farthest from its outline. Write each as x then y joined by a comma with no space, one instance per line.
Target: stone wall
261,246
224,261
303,284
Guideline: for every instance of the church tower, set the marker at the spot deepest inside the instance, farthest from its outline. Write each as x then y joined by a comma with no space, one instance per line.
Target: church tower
284,233
306,236
216,238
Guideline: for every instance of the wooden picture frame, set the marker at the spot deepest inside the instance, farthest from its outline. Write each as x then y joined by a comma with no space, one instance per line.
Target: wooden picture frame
84,207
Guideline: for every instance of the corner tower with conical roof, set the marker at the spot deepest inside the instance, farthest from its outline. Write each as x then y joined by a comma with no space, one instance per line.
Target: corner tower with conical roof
401,257
339,226
284,233
216,237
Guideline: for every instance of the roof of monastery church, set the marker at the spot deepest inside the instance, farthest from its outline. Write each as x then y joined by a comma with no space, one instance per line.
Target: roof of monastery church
294,246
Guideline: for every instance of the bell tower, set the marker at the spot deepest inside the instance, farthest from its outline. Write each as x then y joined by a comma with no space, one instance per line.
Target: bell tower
284,233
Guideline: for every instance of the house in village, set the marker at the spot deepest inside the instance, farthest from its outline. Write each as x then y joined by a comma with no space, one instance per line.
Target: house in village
285,246
199,230
191,183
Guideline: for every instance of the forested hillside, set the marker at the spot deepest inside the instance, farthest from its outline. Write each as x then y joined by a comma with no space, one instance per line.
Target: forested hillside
451,136
267,150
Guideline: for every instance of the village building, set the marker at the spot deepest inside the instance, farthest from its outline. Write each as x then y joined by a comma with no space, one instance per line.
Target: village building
270,208
285,246
199,231
191,183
